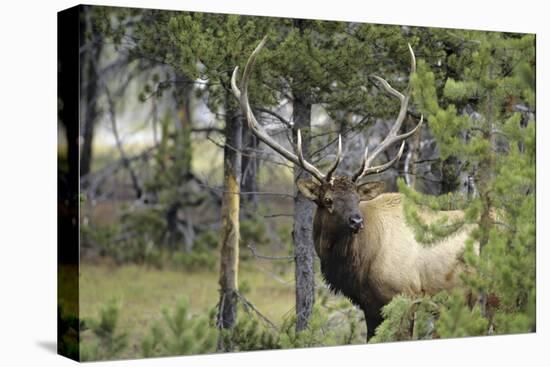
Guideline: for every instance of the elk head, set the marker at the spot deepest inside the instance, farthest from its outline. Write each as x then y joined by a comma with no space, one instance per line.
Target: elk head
336,196
339,200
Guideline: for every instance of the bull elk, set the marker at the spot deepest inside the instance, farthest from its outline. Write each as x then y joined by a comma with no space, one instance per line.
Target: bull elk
367,251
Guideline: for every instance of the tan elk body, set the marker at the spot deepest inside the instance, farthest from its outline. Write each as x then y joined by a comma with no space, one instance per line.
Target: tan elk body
380,259
387,257
367,251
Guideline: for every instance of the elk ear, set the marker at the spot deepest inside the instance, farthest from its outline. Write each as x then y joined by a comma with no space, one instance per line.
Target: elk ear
309,189
370,190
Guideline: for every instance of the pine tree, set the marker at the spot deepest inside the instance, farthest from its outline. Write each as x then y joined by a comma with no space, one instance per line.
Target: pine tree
108,342
493,133
302,61
475,89
179,334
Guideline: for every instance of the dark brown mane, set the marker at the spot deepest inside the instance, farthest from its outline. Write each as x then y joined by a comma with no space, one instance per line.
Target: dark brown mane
341,270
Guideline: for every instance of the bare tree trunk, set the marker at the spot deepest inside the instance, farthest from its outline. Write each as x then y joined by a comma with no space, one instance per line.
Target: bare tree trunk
68,336
183,154
125,161
89,79
183,118
228,281
250,169
303,226
411,168
102,83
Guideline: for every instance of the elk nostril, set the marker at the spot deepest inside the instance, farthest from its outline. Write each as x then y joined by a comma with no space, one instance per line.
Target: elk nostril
355,220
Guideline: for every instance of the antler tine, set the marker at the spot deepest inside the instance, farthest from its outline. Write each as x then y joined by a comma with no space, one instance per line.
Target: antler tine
242,95
413,60
407,134
337,160
389,88
332,168
299,148
234,86
392,136
361,170
385,166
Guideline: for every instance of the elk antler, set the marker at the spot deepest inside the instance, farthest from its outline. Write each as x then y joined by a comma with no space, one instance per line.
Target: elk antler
392,137
257,129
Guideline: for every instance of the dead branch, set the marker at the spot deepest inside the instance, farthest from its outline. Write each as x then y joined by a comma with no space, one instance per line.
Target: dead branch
252,249
277,215
248,305
255,153
267,193
112,117
276,115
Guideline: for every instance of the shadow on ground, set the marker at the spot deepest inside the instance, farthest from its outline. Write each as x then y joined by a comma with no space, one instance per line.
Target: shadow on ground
48,345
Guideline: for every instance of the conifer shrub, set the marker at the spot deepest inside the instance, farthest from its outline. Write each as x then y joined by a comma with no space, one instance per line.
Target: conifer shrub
179,333
107,341
496,144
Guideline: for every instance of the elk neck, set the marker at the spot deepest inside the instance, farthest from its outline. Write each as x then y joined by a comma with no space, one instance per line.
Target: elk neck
343,264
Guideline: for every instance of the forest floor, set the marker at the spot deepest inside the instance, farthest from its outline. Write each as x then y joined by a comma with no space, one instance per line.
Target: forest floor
143,292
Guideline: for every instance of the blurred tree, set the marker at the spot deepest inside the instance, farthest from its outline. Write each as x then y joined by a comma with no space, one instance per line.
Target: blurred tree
90,54
143,38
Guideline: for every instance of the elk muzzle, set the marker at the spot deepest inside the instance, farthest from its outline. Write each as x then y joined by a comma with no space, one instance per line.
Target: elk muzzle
356,222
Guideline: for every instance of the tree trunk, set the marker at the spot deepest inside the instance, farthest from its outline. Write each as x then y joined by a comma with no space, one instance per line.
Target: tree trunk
183,151
228,281
303,225
411,159
249,172
181,170
89,79
67,183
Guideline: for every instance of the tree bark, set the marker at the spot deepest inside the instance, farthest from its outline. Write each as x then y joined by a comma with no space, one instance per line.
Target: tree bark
230,236
123,156
412,158
303,225
89,79
183,119
181,171
249,171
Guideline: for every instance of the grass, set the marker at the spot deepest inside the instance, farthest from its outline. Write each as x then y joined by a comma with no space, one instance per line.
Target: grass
143,292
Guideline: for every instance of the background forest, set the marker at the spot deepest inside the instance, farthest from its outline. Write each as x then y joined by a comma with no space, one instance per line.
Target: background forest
173,183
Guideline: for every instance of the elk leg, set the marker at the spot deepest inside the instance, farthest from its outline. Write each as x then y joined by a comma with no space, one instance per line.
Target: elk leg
373,320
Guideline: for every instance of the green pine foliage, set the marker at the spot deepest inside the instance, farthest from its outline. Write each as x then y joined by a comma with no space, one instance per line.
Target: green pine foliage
498,146
325,328
328,326
317,334
108,341
248,334
328,63
179,334
406,318
458,319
